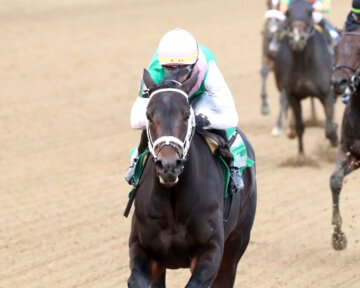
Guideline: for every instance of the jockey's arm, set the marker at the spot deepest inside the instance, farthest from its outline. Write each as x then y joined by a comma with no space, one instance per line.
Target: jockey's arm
138,111
217,104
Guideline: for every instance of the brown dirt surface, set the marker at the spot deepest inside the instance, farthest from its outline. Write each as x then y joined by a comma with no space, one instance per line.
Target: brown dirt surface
69,74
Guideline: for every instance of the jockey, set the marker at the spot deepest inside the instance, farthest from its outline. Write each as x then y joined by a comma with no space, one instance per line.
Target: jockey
352,21
320,7
211,99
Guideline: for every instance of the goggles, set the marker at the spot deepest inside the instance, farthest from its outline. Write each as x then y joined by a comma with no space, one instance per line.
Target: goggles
188,68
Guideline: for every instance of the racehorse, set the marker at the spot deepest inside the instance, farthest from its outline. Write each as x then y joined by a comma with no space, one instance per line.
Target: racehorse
274,19
346,79
303,67
178,218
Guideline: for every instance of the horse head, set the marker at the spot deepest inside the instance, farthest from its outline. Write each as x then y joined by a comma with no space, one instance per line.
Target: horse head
274,19
300,24
347,52
170,126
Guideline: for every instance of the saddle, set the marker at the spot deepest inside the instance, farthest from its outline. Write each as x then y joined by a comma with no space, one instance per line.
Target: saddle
217,144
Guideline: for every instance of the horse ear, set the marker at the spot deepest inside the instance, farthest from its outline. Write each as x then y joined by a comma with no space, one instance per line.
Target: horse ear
149,82
189,84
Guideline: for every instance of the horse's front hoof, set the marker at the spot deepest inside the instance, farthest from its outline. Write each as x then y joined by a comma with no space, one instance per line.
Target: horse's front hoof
277,132
339,241
265,109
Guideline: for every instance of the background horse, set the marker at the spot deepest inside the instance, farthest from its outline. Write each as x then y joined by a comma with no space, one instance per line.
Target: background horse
346,77
178,218
303,67
274,19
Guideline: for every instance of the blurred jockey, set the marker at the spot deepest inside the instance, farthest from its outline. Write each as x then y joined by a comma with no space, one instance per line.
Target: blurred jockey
178,56
352,22
320,7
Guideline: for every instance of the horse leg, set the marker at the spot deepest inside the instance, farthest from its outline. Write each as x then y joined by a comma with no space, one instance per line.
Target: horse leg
299,124
330,128
345,164
139,264
159,283
313,118
234,249
278,131
207,265
291,131
265,69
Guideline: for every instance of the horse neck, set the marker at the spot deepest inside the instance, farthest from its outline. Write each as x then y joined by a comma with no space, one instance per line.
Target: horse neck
309,54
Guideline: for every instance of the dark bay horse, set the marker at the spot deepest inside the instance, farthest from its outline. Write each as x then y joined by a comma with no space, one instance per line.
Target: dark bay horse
346,79
178,217
303,68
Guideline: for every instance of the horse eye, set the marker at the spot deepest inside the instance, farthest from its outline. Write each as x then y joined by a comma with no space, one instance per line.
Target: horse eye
186,116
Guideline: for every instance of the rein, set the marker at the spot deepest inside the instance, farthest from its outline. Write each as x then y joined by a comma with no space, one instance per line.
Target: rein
172,141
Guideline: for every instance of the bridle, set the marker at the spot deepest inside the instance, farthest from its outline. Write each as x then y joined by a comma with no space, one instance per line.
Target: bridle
351,80
172,141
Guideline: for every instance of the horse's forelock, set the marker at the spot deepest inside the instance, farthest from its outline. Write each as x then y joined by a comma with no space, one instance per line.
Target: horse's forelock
299,10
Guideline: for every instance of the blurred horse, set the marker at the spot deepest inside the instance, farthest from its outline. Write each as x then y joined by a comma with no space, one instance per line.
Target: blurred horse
303,68
346,79
178,218
274,19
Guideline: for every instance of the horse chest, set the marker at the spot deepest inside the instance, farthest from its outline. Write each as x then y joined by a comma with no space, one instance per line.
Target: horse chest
303,86
174,243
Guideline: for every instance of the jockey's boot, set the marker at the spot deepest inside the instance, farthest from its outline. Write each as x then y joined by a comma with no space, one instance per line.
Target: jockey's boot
236,182
129,177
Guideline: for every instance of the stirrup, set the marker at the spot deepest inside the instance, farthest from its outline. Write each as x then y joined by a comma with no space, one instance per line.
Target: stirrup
236,182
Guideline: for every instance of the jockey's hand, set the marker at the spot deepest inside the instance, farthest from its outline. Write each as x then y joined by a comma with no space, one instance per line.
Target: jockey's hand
202,121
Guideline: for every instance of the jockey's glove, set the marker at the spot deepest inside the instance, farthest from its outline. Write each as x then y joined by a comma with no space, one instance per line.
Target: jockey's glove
202,121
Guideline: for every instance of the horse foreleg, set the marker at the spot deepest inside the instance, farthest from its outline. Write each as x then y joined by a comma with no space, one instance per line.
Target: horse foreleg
265,69
234,249
345,164
159,283
207,265
278,131
331,127
140,267
313,118
299,124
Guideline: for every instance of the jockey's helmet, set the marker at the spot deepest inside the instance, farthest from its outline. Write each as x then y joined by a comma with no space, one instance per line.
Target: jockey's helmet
356,7
177,48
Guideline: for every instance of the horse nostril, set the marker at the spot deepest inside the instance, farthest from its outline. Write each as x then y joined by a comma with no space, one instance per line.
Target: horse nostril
179,163
339,85
343,83
159,166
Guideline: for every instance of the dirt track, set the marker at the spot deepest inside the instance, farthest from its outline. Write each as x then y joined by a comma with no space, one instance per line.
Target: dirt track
69,73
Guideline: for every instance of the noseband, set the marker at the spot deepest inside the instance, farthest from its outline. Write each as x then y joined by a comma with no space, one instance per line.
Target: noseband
172,141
